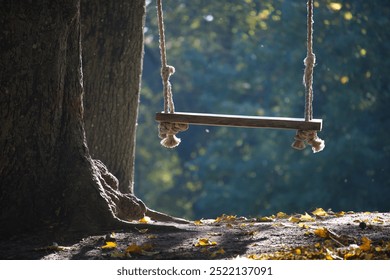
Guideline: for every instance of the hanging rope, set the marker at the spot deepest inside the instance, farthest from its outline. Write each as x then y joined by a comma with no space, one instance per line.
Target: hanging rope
167,130
310,137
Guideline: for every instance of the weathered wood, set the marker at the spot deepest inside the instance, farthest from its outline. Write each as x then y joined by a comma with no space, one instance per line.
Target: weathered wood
240,121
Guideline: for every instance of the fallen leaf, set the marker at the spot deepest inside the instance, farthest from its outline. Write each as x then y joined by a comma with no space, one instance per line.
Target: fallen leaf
378,220
138,249
301,218
198,223
320,212
281,215
321,232
306,218
303,225
205,242
266,219
225,218
109,245
144,220
366,244
340,214
294,219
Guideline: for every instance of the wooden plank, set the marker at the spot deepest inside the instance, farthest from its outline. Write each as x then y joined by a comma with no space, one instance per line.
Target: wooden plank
240,121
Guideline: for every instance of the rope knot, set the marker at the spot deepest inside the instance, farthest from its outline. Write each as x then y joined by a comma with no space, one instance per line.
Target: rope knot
167,71
310,60
310,137
168,131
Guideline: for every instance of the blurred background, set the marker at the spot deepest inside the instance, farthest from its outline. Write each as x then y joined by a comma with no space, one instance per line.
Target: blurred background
246,57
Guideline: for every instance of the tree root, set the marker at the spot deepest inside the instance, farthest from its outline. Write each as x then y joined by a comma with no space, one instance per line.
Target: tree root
162,217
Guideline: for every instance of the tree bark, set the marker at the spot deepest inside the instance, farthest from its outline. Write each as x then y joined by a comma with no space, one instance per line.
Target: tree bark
112,62
47,177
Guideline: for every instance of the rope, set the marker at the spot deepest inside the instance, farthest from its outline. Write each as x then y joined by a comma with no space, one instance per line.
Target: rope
310,137
167,130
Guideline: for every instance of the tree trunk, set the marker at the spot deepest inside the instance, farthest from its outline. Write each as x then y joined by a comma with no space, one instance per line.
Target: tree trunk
47,177
112,63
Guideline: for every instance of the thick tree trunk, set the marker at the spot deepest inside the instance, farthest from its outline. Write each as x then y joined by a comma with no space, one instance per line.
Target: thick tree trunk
112,62
47,177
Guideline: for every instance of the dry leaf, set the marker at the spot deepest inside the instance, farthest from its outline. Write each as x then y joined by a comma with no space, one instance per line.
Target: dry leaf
378,220
340,214
144,220
138,249
225,218
266,219
366,244
303,225
281,215
301,218
294,219
321,232
306,218
320,212
109,245
205,242
198,223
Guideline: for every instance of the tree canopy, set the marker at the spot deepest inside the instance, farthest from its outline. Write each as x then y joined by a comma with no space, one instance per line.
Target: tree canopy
246,57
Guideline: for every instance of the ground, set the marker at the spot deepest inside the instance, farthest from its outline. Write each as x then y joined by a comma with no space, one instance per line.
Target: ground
315,235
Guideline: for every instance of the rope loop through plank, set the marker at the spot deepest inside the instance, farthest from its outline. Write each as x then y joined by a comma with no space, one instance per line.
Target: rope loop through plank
310,136
167,130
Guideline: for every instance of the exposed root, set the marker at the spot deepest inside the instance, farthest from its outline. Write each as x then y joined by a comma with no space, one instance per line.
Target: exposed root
161,217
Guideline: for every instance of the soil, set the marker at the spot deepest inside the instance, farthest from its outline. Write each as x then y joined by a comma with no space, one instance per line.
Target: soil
326,235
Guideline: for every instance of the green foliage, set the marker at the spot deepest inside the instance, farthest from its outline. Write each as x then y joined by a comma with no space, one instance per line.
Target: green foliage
245,57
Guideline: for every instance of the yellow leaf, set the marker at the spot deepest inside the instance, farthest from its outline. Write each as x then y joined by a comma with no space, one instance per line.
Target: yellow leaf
321,232
144,220
378,220
205,242
109,245
306,218
303,225
266,219
298,251
198,223
294,219
320,212
366,244
225,218
281,215
340,214
138,249
152,236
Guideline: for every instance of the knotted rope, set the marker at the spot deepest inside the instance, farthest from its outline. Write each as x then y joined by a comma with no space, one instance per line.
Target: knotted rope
167,130
309,136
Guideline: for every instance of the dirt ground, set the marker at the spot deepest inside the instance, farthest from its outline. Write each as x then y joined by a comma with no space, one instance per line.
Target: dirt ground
314,235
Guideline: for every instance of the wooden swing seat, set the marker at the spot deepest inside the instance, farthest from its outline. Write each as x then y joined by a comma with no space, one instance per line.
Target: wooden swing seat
240,121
